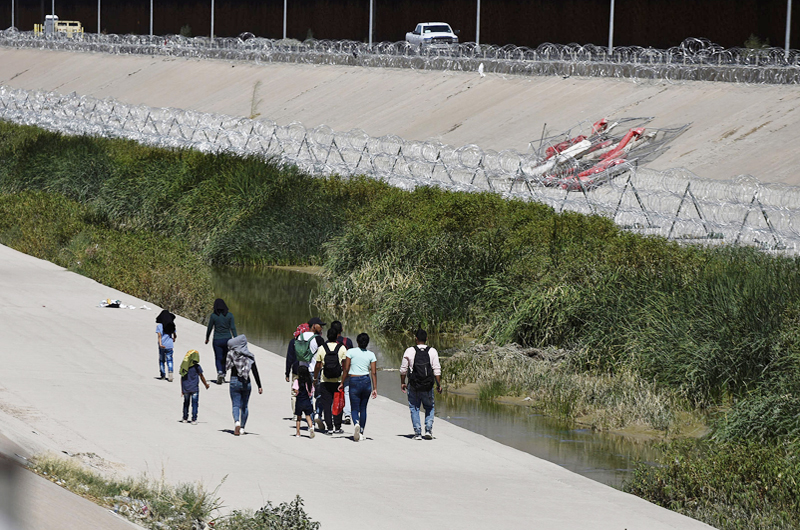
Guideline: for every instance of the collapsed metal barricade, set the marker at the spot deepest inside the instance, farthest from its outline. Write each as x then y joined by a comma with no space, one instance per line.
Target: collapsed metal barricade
693,60
675,204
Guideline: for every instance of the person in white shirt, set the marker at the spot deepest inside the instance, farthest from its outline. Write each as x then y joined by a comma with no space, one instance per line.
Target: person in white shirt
421,364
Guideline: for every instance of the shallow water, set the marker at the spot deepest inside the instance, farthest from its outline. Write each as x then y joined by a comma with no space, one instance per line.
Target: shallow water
268,304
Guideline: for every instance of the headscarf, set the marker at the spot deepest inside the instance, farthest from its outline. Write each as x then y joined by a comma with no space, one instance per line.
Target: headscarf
219,307
302,328
167,321
191,358
239,356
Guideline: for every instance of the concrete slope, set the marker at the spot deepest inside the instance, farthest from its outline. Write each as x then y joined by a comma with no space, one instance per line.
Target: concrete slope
82,378
735,129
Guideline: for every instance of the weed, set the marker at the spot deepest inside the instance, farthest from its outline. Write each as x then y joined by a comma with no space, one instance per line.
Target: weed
729,486
710,325
255,102
159,505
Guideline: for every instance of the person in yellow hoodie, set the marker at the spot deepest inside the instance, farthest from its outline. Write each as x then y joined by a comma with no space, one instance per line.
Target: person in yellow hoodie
191,372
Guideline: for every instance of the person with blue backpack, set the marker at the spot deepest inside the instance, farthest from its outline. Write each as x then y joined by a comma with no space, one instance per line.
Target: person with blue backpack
421,365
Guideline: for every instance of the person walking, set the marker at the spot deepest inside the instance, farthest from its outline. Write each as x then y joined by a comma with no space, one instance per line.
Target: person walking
165,329
360,373
329,360
292,364
421,363
305,347
221,321
190,372
348,344
303,389
241,363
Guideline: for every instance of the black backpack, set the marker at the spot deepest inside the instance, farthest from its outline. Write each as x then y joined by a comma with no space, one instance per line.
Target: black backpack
422,377
331,367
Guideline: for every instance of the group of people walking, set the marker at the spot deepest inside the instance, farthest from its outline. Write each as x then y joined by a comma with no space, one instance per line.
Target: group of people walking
331,380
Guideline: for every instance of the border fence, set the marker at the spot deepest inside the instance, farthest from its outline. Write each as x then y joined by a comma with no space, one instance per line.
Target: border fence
675,204
693,60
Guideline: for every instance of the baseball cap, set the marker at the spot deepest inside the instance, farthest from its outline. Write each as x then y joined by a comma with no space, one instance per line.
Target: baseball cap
316,320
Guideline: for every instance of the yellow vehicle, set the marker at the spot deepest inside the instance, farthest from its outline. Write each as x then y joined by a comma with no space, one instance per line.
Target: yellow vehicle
53,26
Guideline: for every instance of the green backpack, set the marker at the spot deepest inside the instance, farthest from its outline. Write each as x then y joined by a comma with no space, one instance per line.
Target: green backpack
303,348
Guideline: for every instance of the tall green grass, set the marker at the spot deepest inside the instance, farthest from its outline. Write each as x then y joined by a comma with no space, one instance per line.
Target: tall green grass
729,486
71,235
712,324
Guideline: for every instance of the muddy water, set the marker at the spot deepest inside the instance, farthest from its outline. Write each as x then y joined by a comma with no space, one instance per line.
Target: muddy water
269,304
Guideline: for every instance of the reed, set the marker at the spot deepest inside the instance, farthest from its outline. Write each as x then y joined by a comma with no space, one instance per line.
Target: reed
729,486
712,325
148,266
555,387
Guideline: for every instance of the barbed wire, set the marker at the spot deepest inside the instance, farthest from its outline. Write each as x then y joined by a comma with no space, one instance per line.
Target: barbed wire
675,204
693,60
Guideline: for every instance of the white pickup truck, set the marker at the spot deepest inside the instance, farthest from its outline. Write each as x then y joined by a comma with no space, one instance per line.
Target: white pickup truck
431,33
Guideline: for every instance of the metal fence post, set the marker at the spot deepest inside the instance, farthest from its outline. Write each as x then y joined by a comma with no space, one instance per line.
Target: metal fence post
611,30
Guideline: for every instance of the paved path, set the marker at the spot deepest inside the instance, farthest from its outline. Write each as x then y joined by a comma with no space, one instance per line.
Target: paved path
79,378
735,130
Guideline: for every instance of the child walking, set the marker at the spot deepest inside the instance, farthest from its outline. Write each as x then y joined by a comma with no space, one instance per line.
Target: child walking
303,389
191,371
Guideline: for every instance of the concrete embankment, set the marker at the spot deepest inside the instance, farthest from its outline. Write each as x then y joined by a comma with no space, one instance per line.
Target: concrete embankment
80,378
735,129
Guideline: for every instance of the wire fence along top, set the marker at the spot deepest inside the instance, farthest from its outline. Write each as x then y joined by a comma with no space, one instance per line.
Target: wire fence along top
675,204
693,60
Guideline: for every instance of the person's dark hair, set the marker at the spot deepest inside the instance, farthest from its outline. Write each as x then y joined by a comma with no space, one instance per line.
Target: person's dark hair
304,376
337,326
219,307
421,335
362,340
332,334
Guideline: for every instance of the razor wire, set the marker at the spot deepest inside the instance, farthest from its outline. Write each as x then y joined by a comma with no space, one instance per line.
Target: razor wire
693,60
675,204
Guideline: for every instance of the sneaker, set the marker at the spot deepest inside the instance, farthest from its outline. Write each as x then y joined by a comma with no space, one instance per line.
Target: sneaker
194,422
294,417
237,430
184,420
220,379
320,424
169,378
161,377
357,433
328,433
339,431
417,436
311,433
428,435
347,420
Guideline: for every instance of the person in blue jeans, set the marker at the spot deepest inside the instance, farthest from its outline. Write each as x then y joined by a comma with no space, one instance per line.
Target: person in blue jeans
421,364
347,343
191,373
360,372
165,329
241,363
221,321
